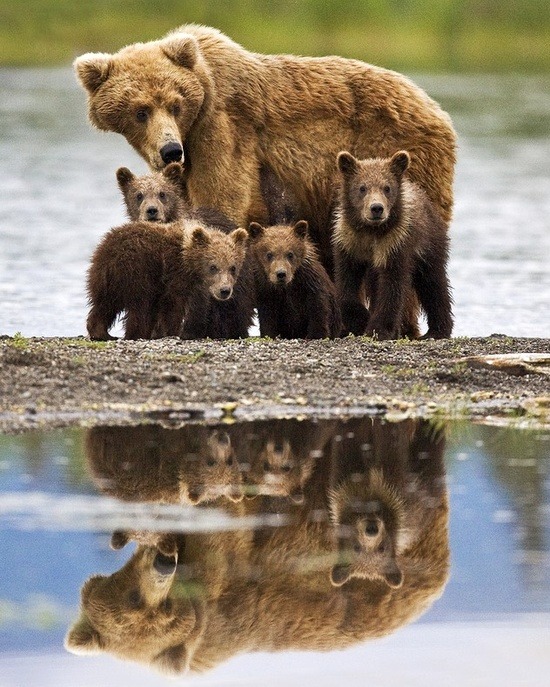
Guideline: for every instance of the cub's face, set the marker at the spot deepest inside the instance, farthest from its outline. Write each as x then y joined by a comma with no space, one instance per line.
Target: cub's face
140,613
213,471
148,92
278,250
367,522
217,258
370,188
153,197
275,471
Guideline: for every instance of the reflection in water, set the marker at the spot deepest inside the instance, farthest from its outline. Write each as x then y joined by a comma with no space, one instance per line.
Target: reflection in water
361,550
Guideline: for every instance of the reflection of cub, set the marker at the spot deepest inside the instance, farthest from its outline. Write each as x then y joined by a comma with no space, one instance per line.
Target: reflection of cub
152,463
278,456
386,501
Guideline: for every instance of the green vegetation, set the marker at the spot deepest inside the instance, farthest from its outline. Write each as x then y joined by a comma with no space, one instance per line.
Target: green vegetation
433,35
19,342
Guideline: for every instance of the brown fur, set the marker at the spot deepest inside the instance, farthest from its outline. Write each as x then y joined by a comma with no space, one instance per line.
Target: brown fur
154,197
391,245
161,275
387,494
151,463
294,295
230,593
197,95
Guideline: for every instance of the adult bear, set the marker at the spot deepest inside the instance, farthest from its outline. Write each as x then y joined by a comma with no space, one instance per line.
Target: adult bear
198,96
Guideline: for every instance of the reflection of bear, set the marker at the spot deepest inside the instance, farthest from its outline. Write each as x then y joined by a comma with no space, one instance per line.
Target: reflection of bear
160,275
151,463
230,593
155,197
197,94
277,456
294,294
387,497
389,236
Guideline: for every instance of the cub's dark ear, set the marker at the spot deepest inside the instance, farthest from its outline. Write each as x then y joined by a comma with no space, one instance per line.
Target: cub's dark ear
239,236
400,162
124,177
172,661
82,638
119,539
300,229
93,69
393,576
195,494
173,172
347,164
182,49
200,237
255,230
339,575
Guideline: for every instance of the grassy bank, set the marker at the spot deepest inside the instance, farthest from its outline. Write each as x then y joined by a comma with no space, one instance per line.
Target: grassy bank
409,35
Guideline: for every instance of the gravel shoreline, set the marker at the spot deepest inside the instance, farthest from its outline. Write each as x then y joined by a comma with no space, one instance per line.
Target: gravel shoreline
59,382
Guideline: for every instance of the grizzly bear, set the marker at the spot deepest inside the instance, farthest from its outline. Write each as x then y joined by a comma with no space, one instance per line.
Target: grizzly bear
388,494
294,295
189,465
162,275
197,96
213,595
391,245
155,197
277,456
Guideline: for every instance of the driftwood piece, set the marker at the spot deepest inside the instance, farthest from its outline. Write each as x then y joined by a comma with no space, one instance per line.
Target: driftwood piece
512,363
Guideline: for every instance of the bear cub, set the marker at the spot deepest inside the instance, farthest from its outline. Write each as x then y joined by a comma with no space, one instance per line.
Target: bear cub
155,197
390,246
159,275
294,295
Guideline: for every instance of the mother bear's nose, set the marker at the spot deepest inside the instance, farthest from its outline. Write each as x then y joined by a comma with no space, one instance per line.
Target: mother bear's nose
171,152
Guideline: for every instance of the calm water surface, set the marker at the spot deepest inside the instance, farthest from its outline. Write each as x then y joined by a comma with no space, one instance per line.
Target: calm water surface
59,196
306,540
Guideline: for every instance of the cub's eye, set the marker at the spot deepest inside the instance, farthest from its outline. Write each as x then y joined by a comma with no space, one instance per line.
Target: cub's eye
176,110
387,190
210,462
362,188
357,548
134,598
213,269
290,255
139,197
269,257
162,195
233,269
267,466
286,467
141,115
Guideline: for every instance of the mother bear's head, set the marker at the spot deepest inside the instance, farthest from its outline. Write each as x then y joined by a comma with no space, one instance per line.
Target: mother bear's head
151,93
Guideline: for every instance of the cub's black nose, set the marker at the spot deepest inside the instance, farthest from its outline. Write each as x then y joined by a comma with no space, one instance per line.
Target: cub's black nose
171,152
152,212
225,293
281,275
376,210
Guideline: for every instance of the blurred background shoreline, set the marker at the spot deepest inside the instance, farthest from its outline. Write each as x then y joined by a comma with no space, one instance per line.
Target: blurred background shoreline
407,35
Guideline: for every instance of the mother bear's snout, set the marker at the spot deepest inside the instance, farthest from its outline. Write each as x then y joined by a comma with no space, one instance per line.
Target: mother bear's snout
171,152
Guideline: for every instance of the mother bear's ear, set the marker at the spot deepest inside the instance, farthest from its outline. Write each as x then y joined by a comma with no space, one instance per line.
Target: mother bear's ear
182,49
93,69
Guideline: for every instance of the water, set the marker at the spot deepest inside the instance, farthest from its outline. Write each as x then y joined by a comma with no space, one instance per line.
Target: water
251,526
59,196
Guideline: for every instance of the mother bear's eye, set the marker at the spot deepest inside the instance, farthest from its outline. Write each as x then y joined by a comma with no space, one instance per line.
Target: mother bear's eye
269,256
176,110
141,115
213,268
362,188
290,255
139,197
